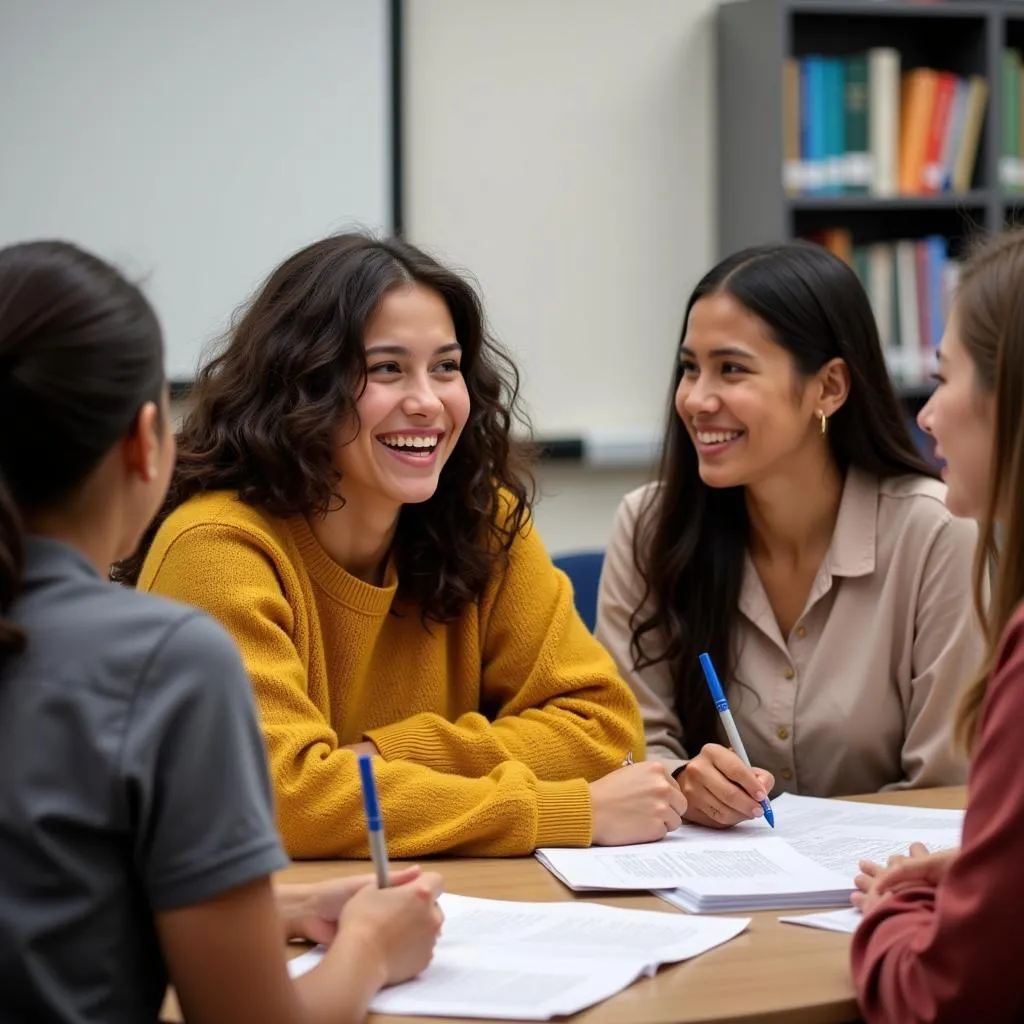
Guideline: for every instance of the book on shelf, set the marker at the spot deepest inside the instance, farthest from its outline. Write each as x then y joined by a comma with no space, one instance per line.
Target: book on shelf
1011,130
910,284
862,124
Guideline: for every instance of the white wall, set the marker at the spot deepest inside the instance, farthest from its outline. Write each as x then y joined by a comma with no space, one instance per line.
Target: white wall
563,151
194,142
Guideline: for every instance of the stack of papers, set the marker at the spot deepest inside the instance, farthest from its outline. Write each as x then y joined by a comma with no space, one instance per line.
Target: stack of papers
533,961
809,860
716,873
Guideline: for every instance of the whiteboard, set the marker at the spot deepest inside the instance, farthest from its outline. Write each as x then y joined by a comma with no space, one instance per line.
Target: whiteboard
195,143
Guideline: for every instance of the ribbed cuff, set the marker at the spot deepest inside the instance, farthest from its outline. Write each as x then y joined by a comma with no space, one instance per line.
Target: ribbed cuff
412,739
565,814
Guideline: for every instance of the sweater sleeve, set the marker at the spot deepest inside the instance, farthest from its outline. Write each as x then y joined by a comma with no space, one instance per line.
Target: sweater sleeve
950,953
555,702
506,811
946,650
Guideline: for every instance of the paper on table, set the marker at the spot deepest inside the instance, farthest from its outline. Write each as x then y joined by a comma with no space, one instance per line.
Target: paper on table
825,840
838,834
845,920
835,835
586,928
712,872
532,961
661,865
485,983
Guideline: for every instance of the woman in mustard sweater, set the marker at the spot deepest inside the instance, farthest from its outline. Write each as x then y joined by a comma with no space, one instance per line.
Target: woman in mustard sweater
349,504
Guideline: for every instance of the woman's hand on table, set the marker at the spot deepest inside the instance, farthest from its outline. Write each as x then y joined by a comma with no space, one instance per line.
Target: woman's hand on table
638,803
918,867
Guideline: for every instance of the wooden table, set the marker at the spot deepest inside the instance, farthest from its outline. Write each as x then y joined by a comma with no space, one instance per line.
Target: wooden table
770,974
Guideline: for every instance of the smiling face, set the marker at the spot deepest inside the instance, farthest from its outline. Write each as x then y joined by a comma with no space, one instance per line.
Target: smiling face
413,407
746,409
959,415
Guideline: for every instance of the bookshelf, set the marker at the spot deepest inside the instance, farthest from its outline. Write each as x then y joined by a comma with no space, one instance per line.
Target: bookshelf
778,171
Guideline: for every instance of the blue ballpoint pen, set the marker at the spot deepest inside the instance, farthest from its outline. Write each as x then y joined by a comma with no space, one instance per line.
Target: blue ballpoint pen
718,696
374,825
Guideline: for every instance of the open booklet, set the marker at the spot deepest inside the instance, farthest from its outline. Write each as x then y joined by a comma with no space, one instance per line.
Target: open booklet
809,860
533,961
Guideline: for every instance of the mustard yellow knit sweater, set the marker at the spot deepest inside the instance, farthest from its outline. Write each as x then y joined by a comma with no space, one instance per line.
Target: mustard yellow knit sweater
489,727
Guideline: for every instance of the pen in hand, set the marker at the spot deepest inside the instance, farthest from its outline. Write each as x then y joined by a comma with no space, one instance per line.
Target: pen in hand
374,825
718,696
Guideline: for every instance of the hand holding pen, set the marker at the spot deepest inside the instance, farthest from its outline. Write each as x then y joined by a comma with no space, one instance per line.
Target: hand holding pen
720,786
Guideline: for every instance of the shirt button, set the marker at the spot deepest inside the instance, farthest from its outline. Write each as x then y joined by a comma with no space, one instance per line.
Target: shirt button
782,732
789,674
801,632
786,774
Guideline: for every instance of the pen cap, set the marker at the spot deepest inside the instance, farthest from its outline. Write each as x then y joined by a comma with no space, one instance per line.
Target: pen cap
369,789
717,693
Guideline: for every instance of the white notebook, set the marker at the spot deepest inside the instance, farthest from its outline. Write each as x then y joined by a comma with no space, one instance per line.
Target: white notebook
809,859
532,961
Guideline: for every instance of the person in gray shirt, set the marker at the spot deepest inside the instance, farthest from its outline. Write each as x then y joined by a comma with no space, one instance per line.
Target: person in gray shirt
137,834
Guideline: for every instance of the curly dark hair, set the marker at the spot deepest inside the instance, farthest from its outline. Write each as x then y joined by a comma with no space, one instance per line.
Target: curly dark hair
264,411
691,539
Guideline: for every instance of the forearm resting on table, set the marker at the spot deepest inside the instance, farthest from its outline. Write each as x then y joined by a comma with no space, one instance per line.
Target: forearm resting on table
507,812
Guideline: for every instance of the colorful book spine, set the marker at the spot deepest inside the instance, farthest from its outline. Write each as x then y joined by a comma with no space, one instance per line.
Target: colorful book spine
835,124
938,129
917,98
910,284
857,177
792,166
816,162
884,119
856,124
937,258
957,117
1009,153
974,119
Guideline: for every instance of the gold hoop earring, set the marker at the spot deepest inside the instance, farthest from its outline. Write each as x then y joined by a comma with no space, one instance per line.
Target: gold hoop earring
824,423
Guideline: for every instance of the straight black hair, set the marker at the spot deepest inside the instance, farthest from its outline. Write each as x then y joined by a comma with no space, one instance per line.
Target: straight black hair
691,539
80,354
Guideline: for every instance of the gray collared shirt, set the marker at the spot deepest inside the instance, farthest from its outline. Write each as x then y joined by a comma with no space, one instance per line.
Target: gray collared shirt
860,696
132,781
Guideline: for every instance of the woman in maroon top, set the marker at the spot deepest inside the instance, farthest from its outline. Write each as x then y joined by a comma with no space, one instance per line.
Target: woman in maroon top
940,935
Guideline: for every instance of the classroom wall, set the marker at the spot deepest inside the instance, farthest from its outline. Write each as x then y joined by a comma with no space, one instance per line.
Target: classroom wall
189,142
472,198
563,151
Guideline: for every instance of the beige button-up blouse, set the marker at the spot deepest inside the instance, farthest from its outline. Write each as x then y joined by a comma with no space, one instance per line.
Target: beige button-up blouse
860,696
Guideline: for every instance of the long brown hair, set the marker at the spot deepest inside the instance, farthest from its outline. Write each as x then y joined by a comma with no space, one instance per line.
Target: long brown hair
691,540
989,310
263,415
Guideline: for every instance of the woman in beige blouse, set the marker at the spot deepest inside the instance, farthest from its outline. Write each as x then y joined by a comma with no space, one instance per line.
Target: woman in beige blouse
797,535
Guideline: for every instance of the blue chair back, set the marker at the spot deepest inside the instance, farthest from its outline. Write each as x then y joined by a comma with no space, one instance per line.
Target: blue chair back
584,571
